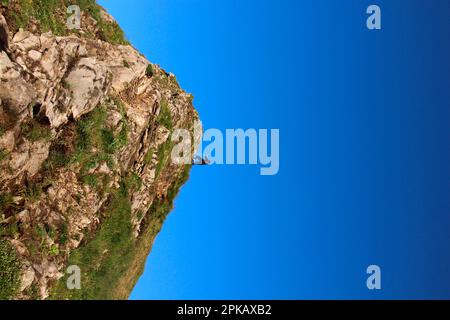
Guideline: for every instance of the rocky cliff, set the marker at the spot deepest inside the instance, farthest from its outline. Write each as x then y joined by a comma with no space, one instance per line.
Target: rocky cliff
85,173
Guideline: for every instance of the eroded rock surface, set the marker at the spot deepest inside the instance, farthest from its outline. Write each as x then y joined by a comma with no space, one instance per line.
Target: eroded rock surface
84,124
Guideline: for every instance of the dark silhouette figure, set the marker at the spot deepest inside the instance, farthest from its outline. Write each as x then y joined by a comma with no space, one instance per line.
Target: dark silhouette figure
4,41
199,161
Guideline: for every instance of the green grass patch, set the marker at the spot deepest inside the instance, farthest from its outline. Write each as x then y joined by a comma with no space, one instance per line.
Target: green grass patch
149,70
106,257
38,243
90,132
63,234
112,33
52,16
53,250
33,292
164,153
149,156
6,201
34,191
91,180
34,131
10,269
10,230
3,154
109,31
133,182
89,143
49,13
165,117
95,143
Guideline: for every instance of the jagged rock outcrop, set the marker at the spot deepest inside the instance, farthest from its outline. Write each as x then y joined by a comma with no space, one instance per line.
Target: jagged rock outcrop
85,174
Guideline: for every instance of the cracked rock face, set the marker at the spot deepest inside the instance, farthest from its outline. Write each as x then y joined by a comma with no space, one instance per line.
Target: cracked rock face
82,119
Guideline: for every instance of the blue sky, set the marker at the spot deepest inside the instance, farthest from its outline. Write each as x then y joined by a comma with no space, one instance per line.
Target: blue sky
363,118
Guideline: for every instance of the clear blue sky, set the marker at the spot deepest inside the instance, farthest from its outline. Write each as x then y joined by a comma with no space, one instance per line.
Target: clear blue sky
364,124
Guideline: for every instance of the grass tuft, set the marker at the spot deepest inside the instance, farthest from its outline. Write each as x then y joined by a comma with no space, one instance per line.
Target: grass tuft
3,154
34,131
6,201
52,15
165,117
164,152
149,71
9,271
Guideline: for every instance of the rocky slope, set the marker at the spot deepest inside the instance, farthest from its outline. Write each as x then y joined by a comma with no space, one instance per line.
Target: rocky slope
85,174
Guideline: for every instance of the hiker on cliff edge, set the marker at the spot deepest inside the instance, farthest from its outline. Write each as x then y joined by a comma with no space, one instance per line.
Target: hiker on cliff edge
200,161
